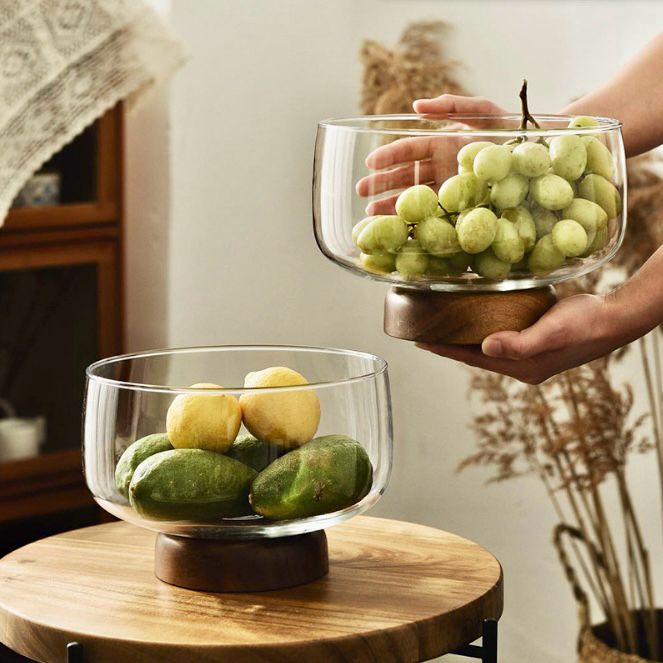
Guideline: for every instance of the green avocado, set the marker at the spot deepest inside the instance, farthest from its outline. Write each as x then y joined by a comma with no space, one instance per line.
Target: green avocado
134,455
327,474
191,484
253,452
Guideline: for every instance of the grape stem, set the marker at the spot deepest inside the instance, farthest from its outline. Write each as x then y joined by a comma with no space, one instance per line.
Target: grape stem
527,116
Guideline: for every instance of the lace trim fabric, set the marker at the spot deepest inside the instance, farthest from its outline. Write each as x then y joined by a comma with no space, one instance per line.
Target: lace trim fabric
63,63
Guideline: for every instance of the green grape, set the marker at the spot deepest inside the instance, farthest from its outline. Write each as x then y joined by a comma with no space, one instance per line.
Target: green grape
522,218
416,203
384,234
545,256
356,231
379,263
438,237
439,212
599,159
437,267
459,263
468,152
508,245
463,169
599,241
476,230
587,213
459,217
411,261
603,193
461,192
531,159
583,121
551,191
510,191
569,237
544,220
488,265
492,164
568,156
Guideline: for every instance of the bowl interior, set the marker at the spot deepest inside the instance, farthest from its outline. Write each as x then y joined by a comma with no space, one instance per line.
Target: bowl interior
128,398
352,183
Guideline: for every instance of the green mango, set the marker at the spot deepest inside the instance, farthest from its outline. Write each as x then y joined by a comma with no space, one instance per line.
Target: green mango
327,474
253,452
134,455
191,484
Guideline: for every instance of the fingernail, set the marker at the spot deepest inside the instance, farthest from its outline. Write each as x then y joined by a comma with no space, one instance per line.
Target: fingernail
491,347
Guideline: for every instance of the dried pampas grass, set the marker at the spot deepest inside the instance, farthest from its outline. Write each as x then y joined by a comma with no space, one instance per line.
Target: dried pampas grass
414,68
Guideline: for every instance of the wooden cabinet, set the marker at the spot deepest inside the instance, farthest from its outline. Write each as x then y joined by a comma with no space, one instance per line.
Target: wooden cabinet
74,252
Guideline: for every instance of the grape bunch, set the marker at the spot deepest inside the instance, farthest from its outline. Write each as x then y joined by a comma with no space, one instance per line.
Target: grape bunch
523,206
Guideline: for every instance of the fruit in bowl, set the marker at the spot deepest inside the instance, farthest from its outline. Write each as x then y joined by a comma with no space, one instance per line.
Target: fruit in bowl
201,470
525,206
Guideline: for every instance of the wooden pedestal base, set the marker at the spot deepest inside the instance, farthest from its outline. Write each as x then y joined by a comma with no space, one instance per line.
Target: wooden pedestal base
461,318
252,565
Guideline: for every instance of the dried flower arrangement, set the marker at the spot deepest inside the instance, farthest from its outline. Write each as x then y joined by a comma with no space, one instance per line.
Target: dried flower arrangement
415,68
576,431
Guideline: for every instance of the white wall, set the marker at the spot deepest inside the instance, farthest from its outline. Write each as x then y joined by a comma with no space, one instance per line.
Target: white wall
242,266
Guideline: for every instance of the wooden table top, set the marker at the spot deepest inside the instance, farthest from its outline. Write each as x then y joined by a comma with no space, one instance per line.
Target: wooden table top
395,592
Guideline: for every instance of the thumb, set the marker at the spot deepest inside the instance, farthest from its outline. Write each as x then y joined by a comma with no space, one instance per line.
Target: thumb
517,345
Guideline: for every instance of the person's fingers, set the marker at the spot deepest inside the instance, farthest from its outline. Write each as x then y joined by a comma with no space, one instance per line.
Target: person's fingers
524,370
402,150
382,206
454,103
549,333
516,345
397,178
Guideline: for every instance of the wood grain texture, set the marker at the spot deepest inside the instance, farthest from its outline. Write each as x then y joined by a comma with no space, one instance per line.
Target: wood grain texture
41,485
461,318
395,592
247,565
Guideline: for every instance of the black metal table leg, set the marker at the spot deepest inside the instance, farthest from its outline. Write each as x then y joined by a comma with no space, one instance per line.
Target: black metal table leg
489,641
487,651
74,652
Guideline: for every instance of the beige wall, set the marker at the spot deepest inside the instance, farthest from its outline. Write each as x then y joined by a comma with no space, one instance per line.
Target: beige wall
227,238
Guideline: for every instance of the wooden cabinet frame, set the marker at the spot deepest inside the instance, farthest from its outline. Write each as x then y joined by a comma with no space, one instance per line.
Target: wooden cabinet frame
69,235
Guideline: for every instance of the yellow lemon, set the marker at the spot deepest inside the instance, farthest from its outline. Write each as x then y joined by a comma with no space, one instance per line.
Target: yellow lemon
203,421
287,419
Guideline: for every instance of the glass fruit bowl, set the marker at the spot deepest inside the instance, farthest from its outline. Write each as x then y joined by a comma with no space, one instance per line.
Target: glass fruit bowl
469,203
298,438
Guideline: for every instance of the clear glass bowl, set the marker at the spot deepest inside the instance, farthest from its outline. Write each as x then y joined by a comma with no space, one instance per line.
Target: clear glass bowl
128,397
362,164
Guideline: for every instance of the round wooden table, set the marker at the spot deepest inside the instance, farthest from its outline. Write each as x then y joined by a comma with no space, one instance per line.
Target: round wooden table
395,592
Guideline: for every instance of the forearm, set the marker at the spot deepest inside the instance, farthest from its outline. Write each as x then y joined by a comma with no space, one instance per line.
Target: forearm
636,307
635,97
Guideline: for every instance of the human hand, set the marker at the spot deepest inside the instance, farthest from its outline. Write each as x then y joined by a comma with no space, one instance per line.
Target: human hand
421,159
574,331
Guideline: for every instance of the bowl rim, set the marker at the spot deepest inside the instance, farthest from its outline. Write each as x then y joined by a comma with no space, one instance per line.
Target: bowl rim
91,375
354,124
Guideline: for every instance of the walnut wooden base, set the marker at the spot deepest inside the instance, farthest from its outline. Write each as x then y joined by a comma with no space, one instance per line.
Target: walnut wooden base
461,318
253,565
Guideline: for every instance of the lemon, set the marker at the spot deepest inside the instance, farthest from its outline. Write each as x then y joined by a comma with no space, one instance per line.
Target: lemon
203,421
286,419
